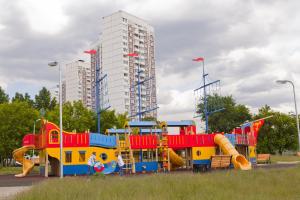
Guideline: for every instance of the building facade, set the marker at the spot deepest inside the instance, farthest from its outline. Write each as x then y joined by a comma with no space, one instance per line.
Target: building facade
77,83
123,33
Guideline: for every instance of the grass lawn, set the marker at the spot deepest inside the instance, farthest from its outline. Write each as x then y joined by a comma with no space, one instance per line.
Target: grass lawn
14,170
276,158
232,184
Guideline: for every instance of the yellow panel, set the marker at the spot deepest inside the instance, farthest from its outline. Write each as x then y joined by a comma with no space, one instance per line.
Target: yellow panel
111,154
252,151
203,153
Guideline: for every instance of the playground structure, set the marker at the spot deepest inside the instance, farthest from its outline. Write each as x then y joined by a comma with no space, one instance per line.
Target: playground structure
153,149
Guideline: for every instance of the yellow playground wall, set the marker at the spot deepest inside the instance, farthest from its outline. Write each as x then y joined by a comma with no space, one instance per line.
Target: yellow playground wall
252,151
203,153
111,154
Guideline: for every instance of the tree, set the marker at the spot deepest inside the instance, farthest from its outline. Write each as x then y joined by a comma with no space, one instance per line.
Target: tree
75,117
149,118
20,98
16,120
43,100
224,121
278,134
3,96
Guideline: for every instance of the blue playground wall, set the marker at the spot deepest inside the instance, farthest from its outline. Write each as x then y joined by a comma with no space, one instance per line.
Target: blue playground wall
253,161
146,166
231,138
76,169
101,140
201,162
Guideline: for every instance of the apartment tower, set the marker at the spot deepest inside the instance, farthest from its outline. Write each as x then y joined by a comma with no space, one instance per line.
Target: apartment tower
123,33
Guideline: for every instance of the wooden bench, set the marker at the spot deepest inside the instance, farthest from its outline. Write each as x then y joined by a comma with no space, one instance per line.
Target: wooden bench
264,158
220,161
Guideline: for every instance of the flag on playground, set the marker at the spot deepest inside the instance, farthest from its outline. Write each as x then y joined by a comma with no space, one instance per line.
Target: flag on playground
198,59
256,126
92,51
132,54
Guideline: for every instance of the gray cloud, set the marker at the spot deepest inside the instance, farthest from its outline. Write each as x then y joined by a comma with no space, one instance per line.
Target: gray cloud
246,44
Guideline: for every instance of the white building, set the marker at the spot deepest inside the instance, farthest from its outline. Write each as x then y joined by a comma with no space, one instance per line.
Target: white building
123,33
77,83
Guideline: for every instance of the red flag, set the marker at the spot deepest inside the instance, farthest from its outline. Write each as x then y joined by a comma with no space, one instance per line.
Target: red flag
200,59
92,51
256,126
132,54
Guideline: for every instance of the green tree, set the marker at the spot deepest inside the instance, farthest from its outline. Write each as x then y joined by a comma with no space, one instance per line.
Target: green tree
3,96
75,117
278,134
121,120
232,116
22,98
43,100
16,120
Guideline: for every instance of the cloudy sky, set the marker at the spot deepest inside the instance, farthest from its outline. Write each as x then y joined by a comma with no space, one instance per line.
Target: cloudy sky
246,44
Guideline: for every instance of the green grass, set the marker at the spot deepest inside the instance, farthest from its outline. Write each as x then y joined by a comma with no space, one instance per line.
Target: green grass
278,158
232,184
15,170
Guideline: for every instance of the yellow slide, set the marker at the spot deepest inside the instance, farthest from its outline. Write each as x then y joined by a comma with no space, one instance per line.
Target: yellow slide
238,160
27,164
175,159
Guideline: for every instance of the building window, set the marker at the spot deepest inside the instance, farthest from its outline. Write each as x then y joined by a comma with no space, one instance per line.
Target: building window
124,20
81,156
54,136
68,156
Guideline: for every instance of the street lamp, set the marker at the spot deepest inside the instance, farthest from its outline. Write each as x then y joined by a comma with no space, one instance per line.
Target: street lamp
34,133
297,119
53,64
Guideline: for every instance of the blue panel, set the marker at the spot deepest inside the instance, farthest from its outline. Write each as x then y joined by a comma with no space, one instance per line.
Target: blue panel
201,162
146,166
180,123
76,170
142,124
253,161
101,140
122,131
231,138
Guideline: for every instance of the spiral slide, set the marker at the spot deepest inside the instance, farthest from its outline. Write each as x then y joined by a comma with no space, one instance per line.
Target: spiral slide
238,160
27,164
175,159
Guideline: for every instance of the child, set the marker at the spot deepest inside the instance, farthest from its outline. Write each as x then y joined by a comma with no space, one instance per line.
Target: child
121,164
91,163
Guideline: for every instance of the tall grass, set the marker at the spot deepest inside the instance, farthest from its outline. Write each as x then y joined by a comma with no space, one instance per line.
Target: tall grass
256,184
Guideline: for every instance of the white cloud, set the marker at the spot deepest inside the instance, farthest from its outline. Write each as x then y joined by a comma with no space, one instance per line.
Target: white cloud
45,16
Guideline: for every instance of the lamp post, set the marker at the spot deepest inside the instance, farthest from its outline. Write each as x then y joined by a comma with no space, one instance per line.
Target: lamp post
295,101
34,132
53,64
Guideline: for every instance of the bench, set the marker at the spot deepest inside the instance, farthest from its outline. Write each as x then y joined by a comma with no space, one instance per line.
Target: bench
264,158
220,161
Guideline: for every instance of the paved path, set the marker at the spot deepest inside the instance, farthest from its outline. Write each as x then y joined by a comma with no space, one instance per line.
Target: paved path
9,192
10,185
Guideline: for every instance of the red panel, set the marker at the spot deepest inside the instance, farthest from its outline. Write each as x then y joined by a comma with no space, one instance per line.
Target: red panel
28,139
69,139
184,141
241,139
143,142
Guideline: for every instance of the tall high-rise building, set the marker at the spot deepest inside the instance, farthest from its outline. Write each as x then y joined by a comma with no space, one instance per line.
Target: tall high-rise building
77,83
123,33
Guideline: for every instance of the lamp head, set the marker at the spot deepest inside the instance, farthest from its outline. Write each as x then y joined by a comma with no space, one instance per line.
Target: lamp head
281,81
53,64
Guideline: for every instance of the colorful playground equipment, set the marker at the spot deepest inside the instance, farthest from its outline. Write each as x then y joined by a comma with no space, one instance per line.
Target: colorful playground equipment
153,149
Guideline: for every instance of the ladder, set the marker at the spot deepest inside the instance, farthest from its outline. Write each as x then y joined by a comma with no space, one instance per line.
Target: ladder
127,155
165,153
